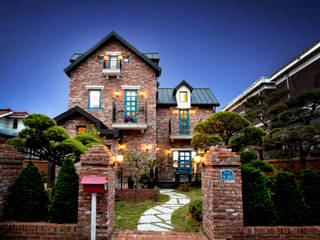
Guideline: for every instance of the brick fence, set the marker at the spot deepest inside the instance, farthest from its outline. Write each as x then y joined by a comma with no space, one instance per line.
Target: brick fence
138,194
10,167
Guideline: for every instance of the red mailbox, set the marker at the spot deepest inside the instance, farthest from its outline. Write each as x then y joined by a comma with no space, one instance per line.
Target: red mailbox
94,184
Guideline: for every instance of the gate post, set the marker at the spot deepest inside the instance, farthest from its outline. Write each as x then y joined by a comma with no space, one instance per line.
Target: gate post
222,209
97,161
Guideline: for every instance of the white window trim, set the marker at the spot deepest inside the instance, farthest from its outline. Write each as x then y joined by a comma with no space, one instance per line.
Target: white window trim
95,87
113,53
131,87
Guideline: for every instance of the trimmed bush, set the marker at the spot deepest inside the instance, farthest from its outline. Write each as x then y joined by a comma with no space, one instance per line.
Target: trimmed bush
185,187
195,208
262,165
288,200
310,187
64,195
257,202
28,200
247,157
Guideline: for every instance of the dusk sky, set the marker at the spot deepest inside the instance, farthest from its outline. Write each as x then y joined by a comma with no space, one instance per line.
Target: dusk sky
224,45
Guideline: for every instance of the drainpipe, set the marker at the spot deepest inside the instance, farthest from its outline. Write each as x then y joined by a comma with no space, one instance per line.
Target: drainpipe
288,85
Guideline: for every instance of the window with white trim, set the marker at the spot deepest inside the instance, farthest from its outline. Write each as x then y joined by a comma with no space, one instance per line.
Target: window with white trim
94,99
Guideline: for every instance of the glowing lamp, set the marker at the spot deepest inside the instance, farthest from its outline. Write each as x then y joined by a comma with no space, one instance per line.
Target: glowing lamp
119,159
196,159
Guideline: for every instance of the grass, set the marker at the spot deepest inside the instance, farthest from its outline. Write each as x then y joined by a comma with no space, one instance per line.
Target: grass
127,213
181,219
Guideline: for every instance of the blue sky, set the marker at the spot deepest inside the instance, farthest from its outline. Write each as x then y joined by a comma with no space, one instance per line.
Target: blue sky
225,45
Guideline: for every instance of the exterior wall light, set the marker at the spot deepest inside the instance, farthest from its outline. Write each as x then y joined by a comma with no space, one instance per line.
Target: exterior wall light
196,159
121,147
117,94
119,159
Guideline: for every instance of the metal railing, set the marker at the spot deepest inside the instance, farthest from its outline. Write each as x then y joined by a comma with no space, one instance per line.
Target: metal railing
119,113
174,127
112,64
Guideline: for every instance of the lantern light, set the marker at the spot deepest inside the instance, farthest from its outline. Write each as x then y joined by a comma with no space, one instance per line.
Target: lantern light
119,159
196,159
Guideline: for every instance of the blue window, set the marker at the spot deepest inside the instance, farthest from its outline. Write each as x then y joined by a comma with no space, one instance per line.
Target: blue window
94,99
130,105
184,122
184,163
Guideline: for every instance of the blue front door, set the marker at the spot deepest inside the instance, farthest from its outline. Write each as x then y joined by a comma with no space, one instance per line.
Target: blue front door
184,163
130,105
184,122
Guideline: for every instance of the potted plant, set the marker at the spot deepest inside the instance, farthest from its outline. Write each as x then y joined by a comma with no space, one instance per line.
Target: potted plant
120,111
142,110
143,178
130,182
129,119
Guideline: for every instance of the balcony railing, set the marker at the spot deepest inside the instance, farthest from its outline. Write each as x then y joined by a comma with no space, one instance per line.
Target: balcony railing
112,68
177,132
133,117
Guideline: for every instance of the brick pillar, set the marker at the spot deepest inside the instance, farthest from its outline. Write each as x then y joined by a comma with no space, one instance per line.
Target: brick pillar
11,163
97,161
221,195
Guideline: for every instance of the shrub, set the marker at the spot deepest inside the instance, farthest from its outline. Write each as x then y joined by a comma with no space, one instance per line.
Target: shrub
185,187
262,165
195,208
257,202
247,157
310,187
288,200
64,195
28,199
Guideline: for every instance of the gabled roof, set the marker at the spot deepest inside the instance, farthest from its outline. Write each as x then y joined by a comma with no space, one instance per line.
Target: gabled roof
111,35
182,83
76,111
10,113
199,97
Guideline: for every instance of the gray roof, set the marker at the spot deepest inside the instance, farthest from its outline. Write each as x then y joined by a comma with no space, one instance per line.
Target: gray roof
199,97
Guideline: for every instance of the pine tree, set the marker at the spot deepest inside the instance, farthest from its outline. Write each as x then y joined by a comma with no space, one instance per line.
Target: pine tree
64,195
28,200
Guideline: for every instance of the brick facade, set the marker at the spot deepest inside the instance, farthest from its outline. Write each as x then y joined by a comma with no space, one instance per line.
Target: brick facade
10,167
222,208
138,194
97,161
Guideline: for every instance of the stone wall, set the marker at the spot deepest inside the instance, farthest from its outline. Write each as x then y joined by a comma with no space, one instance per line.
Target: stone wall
97,161
222,208
138,194
10,167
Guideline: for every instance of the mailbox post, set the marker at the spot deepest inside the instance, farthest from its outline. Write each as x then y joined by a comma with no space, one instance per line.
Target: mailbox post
94,185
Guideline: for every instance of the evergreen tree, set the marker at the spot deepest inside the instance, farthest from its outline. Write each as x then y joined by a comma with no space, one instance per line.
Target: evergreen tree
28,199
64,195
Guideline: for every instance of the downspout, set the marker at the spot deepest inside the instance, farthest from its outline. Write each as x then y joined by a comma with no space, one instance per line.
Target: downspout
288,85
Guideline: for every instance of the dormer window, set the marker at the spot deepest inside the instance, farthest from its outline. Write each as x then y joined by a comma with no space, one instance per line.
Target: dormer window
112,64
183,96
182,92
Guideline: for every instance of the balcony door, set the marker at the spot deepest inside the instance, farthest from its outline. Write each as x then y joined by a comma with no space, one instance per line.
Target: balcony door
184,122
113,62
184,163
130,105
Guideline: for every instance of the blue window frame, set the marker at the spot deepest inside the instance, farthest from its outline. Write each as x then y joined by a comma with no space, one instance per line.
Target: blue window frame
130,105
94,99
184,163
184,122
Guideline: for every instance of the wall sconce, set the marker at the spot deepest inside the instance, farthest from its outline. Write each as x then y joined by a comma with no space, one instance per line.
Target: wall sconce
157,149
147,148
119,159
142,94
121,147
196,159
192,112
117,94
168,152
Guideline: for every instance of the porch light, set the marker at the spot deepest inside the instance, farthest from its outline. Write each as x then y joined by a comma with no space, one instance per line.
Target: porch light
119,159
147,148
196,159
121,147
117,94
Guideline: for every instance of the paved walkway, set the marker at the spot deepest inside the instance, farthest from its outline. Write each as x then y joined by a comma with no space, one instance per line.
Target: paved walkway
159,218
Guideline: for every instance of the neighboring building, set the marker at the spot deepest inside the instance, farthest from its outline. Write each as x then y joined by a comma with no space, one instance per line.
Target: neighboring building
114,86
10,123
299,75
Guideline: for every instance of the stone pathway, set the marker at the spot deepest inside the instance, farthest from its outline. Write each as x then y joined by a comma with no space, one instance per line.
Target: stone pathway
158,218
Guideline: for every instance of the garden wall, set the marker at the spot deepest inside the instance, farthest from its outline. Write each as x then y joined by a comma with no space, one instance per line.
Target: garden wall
138,194
10,167
17,231
293,165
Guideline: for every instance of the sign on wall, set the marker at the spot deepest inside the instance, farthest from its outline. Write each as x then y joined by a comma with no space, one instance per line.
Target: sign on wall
227,175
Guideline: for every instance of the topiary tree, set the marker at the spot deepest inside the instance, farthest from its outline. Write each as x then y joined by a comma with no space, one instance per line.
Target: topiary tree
288,200
247,157
310,187
262,166
257,202
64,195
28,200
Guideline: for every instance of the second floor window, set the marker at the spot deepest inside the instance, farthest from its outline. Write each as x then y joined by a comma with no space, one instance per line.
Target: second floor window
113,62
183,96
94,101
15,124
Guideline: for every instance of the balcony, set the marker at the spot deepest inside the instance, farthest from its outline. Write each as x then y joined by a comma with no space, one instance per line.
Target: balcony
112,68
122,119
177,133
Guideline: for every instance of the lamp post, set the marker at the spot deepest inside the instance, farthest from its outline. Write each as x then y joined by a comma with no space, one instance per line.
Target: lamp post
119,161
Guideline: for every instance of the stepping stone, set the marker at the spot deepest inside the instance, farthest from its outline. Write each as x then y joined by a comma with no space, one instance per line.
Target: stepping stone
164,225
165,217
163,209
184,201
151,227
149,219
151,211
172,201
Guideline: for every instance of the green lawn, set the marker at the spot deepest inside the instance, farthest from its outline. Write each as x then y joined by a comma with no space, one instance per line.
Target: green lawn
127,213
181,220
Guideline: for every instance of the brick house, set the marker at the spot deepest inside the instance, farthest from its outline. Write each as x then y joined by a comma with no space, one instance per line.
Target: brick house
300,74
114,86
